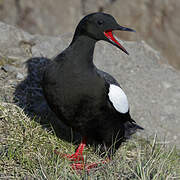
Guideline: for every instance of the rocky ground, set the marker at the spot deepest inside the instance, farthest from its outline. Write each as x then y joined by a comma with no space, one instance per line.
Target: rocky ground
156,21
152,87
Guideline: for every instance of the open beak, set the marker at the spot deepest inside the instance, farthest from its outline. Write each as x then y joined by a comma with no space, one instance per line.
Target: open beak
113,40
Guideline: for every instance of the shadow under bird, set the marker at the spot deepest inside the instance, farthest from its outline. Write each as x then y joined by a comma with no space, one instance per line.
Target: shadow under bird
85,98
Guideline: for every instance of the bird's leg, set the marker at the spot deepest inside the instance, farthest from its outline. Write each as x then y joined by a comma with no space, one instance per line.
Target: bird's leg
78,155
82,165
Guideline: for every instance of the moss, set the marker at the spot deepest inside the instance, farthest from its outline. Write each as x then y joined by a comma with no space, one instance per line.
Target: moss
27,151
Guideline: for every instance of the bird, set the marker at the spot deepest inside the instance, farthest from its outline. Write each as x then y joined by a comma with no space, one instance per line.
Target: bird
85,98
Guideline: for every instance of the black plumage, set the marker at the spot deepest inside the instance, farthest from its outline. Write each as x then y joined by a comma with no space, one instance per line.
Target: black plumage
78,92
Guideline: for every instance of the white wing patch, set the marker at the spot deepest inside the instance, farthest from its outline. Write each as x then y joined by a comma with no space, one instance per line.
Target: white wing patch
118,98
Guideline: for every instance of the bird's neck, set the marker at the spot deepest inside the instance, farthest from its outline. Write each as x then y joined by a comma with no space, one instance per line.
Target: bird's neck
83,49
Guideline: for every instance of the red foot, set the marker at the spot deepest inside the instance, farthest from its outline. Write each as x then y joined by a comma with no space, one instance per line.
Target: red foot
78,156
74,157
87,167
82,166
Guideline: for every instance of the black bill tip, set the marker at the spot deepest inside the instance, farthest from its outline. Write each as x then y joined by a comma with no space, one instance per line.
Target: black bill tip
121,28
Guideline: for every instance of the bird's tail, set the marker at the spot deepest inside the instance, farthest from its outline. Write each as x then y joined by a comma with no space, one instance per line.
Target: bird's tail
130,128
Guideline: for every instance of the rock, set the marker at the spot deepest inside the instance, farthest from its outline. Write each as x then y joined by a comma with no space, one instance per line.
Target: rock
48,17
19,76
43,16
8,68
156,22
89,6
152,87
11,42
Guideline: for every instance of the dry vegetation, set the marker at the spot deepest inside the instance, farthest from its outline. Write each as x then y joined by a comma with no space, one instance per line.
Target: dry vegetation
26,152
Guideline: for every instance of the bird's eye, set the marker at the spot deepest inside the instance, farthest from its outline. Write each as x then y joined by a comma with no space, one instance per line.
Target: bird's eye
100,22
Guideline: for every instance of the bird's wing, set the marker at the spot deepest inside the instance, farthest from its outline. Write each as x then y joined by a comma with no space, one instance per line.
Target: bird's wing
116,95
107,77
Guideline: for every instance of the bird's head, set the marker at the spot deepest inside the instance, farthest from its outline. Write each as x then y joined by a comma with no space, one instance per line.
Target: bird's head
100,26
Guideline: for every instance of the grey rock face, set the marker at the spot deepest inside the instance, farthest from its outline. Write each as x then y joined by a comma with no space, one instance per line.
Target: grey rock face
89,6
156,21
153,88
42,16
8,68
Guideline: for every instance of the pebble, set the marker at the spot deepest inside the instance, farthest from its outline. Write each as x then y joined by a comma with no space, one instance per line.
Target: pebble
8,68
19,76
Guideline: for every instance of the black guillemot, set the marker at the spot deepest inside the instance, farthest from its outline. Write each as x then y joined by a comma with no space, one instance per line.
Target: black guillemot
85,98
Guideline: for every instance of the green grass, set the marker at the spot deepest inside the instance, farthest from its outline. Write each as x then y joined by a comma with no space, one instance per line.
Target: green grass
26,152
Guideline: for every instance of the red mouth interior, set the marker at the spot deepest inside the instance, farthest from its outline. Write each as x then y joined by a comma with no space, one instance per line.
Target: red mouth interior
110,36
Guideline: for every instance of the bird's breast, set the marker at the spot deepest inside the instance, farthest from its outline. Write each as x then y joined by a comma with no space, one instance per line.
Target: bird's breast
73,85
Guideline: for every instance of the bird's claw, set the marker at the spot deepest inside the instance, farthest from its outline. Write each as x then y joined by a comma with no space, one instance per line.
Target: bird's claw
82,166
